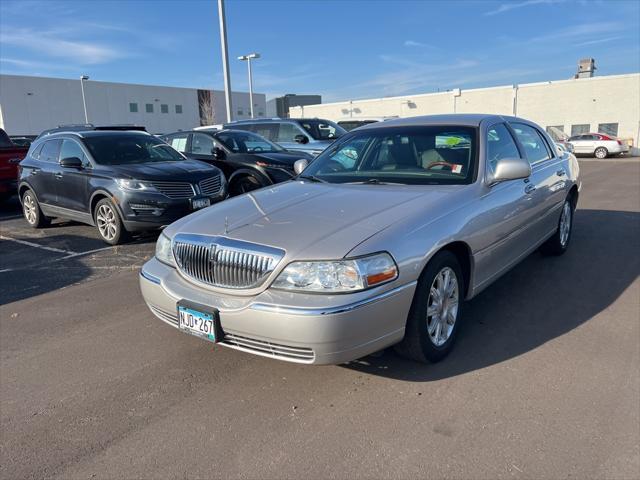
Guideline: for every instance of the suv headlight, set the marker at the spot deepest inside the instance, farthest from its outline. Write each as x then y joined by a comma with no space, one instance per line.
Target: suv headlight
163,250
135,185
339,276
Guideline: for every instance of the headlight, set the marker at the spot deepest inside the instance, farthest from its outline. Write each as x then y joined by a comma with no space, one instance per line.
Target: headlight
163,250
135,185
339,275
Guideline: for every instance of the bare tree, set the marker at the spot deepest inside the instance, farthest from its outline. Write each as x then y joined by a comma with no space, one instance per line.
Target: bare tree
205,106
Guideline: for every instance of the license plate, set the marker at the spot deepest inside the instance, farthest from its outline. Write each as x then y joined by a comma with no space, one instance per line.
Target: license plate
196,321
198,203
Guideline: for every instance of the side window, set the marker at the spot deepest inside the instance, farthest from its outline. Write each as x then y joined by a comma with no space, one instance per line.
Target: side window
201,144
37,151
534,145
500,144
50,151
179,142
71,148
349,154
287,132
266,130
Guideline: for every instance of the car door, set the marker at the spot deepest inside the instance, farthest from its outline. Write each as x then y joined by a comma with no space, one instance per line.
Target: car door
72,184
587,144
546,185
43,178
286,134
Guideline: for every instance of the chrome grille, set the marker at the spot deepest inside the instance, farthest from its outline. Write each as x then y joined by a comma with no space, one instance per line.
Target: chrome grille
175,189
210,186
222,262
269,349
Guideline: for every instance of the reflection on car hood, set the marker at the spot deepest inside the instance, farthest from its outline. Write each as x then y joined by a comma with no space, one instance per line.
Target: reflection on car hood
313,220
285,158
186,170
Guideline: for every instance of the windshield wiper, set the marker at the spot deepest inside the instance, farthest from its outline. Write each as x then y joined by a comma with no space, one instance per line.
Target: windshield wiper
374,181
312,178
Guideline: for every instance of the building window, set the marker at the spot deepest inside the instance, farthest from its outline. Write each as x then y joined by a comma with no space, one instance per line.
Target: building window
133,107
261,114
579,129
178,108
556,132
164,108
608,129
149,107
240,112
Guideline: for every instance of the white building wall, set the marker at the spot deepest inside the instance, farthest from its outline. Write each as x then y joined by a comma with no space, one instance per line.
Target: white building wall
607,99
29,105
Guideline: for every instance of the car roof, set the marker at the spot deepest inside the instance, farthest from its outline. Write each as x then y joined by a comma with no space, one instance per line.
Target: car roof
94,133
459,119
275,120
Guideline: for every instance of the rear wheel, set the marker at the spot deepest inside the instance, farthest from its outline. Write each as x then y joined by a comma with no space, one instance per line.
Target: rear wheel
32,212
244,184
109,223
601,153
433,321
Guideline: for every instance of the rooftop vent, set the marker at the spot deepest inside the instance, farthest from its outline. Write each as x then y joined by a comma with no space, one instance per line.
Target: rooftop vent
586,68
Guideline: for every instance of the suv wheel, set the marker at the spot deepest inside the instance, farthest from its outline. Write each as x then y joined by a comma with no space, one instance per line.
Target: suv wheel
109,223
434,318
244,184
601,153
32,212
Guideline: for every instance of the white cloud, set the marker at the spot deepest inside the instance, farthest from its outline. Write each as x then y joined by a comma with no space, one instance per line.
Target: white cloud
413,43
597,41
506,7
584,30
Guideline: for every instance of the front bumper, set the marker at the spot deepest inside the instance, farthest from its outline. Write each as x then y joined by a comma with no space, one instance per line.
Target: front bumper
301,328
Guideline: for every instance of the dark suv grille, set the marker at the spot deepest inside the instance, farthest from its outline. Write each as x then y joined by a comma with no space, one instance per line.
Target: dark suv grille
210,186
175,189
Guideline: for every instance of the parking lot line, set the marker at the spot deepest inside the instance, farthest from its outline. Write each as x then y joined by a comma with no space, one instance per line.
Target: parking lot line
77,254
36,245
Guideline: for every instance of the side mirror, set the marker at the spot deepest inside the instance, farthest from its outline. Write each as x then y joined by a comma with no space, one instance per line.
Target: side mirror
217,153
300,165
71,162
301,139
510,169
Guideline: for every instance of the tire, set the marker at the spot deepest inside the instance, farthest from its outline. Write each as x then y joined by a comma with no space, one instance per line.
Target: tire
109,223
425,341
32,212
559,242
244,184
601,153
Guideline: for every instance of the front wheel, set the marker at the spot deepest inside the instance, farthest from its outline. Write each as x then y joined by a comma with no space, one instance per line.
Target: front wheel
109,223
433,321
559,242
601,153
244,184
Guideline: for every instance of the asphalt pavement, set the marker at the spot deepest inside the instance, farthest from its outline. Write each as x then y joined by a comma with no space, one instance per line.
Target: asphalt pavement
544,381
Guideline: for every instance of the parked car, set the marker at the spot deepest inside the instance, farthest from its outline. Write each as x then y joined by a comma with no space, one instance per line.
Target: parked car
87,127
377,242
23,140
118,181
598,145
309,135
352,123
10,156
248,160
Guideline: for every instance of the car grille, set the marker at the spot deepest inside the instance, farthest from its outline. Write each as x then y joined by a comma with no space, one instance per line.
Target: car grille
251,345
175,189
222,262
211,186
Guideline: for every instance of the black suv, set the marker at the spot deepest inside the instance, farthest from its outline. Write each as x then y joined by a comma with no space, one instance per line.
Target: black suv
248,160
119,181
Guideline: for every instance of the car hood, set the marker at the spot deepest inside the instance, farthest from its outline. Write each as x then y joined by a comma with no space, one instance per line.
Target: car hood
186,170
313,220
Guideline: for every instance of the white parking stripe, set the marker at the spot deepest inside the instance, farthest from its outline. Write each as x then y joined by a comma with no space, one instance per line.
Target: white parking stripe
84,253
36,245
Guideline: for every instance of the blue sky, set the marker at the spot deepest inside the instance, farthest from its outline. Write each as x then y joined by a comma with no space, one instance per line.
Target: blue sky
340,49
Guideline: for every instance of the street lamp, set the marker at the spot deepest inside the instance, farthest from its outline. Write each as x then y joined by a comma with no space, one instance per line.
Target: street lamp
84,102
248,58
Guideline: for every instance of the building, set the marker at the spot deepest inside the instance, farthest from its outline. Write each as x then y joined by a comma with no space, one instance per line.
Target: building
279,106
606,104
29,105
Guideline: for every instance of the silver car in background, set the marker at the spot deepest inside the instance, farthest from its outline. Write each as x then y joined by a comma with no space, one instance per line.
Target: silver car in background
377,242
597,145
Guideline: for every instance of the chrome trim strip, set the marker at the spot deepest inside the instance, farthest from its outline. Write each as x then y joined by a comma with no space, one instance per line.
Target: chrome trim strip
266,307
150,277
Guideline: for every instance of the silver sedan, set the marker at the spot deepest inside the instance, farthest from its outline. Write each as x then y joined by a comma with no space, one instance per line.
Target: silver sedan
377,242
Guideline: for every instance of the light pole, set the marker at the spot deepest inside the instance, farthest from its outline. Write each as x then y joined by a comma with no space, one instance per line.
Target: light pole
84,101
225,59
248,58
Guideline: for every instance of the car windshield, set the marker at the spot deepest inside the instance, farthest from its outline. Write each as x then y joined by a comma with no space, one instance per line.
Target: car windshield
247,142
119,149
406,155
322,129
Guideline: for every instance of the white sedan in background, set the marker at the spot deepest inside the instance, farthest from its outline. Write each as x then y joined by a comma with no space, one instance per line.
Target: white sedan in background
597,144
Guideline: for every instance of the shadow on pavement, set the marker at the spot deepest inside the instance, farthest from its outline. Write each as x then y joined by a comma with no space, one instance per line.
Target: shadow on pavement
539,300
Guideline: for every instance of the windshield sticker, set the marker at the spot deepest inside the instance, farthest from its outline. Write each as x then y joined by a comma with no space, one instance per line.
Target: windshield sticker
456,168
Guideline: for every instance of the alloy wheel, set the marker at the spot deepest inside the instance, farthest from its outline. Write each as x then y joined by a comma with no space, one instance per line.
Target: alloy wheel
29,207
442,307
601,153
107,222
565,224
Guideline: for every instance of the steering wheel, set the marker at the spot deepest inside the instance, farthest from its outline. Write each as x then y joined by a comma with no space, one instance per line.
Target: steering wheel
335,166
258,149
440,164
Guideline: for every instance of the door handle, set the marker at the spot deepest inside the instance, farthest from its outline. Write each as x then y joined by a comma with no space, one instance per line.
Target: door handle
35,171
530,188
561,173
57,175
